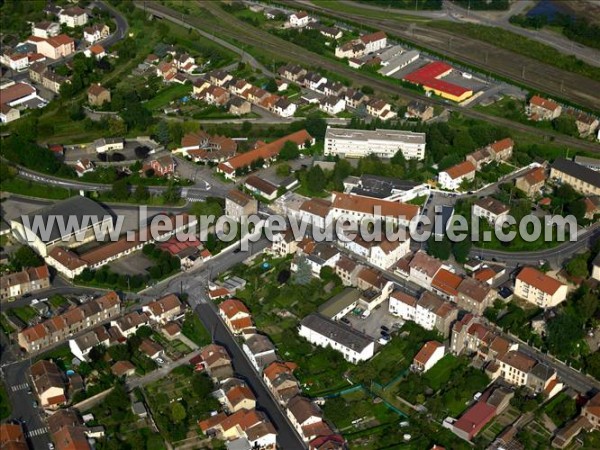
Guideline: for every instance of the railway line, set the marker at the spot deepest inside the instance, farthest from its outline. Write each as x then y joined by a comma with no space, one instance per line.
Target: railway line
279,49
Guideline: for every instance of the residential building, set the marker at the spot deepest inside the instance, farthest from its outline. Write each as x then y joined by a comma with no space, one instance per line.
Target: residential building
83,166
515,367
45,29
380,253
453,177
238,396
16,61
217,362
292,72
596,268
220,77
490,209
49,384
316,212
357,208
284,243
481,413
304,416
104,145
374,42
202,147
266,152
543,109
12,437
382,143
239,205
164,309
418,110
55,47
475,296
29,280
332,105
532,181
163,166
423,268
123,369
429,311
299,19
284,108
539,288
73,17
8,113
236,315
98,95
380,109
74,320
151,349
354,98
445,284
260,351
582,179
317,256
279,378
239,107
96,33
353,345
261,187
130,323
502,149
428,356
591,411
82,345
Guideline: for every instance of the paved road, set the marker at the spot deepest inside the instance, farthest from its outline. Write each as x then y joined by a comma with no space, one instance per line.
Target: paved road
120,20
279,48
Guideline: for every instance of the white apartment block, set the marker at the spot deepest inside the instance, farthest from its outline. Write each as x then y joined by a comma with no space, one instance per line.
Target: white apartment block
353,345
73,17
382,143
539,288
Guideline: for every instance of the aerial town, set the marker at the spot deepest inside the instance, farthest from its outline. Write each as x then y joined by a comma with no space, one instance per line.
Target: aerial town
290,224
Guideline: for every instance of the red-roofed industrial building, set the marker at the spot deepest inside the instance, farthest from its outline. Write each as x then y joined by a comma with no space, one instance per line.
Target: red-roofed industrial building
430,77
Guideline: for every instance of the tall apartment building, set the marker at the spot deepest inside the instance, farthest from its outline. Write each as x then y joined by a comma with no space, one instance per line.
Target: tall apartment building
539,289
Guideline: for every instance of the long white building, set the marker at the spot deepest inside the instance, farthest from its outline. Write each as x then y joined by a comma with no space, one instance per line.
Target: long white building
383,143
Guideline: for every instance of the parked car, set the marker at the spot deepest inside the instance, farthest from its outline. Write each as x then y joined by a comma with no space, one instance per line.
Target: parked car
384,328
160,360
345,320
384,340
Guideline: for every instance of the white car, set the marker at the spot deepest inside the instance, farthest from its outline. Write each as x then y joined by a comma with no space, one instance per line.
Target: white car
384,340
160,360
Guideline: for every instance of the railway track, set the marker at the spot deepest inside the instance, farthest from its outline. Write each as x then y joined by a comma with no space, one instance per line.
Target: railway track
280,49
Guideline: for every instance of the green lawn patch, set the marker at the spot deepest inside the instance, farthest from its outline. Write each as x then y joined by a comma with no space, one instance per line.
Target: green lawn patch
25,313
5,408
195,331
7,328
167,95
31,189
561,409
58,301
438,375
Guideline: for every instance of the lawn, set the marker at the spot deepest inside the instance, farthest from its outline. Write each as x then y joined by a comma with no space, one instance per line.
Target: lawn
5,408
344,410
195,331
5,325
31,189
418,201
167,95
25,313
440,374
561,409
58,301
61,355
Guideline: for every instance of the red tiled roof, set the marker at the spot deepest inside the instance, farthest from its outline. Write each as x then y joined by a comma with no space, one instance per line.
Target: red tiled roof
15,92
475,418
429,76
232,306
543,103
460,169
427,351
446,281
539,280
373,37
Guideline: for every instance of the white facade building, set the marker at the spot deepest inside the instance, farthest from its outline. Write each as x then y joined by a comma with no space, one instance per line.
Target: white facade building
383,143
538,288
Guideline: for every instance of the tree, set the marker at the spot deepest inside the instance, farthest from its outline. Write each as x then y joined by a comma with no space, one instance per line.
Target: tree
246,127
289,151
141,193
142,151
367,90
303,273
271,85
120,190
177,412
25,257
564,332
577,267
315,180
439,249
162,132
566,125
283,170
461,250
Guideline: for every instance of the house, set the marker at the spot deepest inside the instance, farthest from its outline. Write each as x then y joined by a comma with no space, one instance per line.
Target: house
316,256
314,81
28,280
216,95
328,32
423,268
239,107
429,311
96,33
502,149
539,288
279,378
83,166
16,61
380,109
238,204
54,47
49,384
236,315
357,208
474,296
303,414
453,177
260,351
445,284
383,253
12,437
596,268
543,109
42,74
8,113
583,180
532,181
352,344
490,209
328,442
123,369
261,187
151,349
351,50
130,323
202,147
332,105
73,17
586,123
166,70
217,362
428,356
98,95
185,63
45,29
334,88
355,98
108,144
481,413
164,309
299,19
374,41
419,110
237,397
220,77
591,411
515,367
480,157
284,108
292,72
160,167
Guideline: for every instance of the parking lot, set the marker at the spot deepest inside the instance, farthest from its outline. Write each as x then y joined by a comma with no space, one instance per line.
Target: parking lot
371,326
135,264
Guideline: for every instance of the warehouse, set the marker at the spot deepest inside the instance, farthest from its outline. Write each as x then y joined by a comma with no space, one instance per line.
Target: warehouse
382,143
430,77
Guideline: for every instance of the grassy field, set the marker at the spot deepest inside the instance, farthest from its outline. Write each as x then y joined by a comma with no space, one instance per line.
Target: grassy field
195,331
29,188
390,13
343,410
5,325
438,375
25,313
167,95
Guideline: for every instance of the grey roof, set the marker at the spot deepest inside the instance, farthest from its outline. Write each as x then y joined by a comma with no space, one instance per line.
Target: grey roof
587,161
577,171
340,333
381,187
238,444
258,343
341,301
378,134
76,206
542,371
399,61
139,408
596,261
